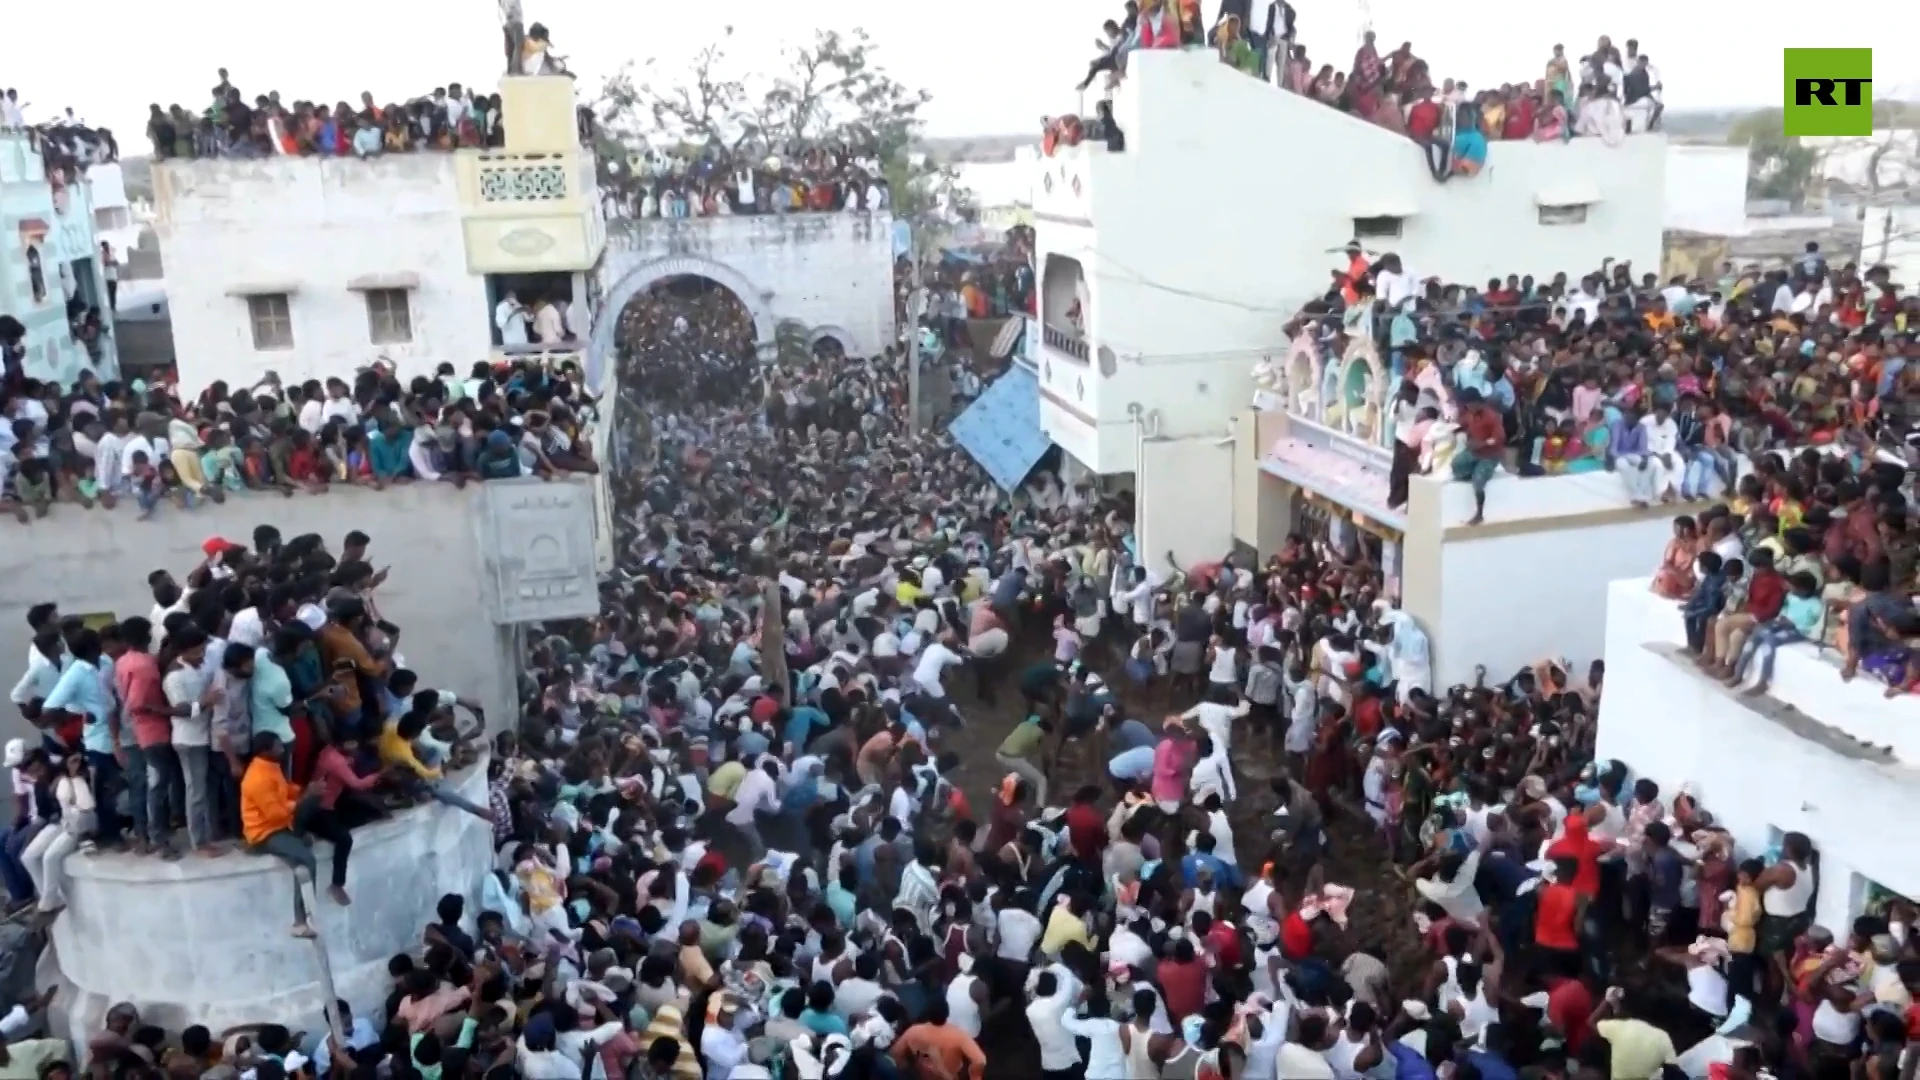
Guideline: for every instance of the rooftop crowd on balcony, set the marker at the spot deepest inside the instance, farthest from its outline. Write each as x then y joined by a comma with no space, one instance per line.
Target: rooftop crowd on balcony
450,117
1669,385
266,670
96,443
1608,95
64,143
715,181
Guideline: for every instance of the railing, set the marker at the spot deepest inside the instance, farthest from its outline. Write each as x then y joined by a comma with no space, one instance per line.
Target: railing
1066,341
524,178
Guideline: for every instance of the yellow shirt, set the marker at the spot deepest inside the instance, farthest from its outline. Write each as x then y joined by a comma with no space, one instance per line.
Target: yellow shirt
726,779
1063,926
395,750
1639,1048
906,593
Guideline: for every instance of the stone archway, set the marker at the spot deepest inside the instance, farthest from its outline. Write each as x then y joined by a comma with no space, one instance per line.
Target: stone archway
837,333
606,324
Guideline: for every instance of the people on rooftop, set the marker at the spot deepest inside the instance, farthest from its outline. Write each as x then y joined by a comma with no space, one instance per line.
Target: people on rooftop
98,443
715,180
1677,387
65,144
449,117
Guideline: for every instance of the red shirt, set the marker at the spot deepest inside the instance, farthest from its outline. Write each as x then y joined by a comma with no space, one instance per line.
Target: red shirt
1553,917
1296,937
1223,941
336,775
1766,595
1569,1007
1422,119
1366,717
1486,432
1185,987
1086,831
136,675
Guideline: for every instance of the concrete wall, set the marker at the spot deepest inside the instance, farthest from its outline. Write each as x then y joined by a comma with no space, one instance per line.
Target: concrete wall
822,269
1184,500
204,941
1706,190
57,227
97,562
1760,769
1199,243
310,227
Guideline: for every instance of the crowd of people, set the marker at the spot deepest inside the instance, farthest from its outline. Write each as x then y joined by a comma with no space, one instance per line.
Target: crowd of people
713,181
871,770
451,117
1674,386
1607,94
98,443
65,144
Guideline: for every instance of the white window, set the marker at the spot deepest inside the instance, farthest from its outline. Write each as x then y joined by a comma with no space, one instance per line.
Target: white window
272,321
389,322
1564,215
1377,228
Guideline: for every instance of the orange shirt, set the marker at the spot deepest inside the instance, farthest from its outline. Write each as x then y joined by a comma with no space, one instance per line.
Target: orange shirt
942,1051
266,800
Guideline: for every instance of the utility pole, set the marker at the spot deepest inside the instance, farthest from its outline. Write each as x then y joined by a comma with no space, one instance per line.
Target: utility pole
917,303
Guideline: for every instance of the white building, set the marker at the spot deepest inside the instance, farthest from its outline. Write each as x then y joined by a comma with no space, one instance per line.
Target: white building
1835,760
316,267
1187,253
50,265
831,272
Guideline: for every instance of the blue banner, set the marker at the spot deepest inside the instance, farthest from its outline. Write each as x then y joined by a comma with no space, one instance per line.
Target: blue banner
1001,430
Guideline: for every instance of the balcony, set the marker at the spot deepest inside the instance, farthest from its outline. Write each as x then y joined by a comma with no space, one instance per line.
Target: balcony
529,212
1066,342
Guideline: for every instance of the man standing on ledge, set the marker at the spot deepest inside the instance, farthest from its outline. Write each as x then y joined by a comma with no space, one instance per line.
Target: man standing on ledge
513,25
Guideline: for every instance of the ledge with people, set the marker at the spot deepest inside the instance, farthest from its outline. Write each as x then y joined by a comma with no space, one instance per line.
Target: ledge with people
96,444
1676,387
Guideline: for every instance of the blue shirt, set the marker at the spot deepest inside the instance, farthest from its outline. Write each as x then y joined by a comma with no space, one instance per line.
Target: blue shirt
1134,764
825,1023
1223,874
270,694
801,724
80,691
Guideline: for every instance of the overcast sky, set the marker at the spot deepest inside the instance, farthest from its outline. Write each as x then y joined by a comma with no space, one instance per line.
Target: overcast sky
992,68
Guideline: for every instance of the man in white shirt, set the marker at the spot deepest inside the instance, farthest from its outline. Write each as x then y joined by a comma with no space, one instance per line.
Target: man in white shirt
758,793
1050,1001
511,319
937,658
1663,444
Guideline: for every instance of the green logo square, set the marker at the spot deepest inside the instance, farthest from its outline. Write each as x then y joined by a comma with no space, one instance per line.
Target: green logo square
1828,92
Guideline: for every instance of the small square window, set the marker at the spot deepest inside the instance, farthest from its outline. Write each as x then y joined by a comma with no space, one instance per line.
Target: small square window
389,321
1377,228
272,319
1564,215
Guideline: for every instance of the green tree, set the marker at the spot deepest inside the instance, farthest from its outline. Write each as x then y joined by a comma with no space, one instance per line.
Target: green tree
831,91
1779,166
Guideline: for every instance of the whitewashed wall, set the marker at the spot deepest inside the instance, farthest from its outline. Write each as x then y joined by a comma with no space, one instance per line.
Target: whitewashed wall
315,224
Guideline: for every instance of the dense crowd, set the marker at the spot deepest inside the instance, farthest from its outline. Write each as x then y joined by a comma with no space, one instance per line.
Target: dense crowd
96,443
1607,94
871,770
450,117
713,181
1670,385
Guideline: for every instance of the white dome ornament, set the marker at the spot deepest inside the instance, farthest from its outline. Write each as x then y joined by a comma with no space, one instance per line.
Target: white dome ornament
1269,384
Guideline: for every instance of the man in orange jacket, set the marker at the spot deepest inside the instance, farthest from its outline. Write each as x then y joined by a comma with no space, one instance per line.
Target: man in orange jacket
269,803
